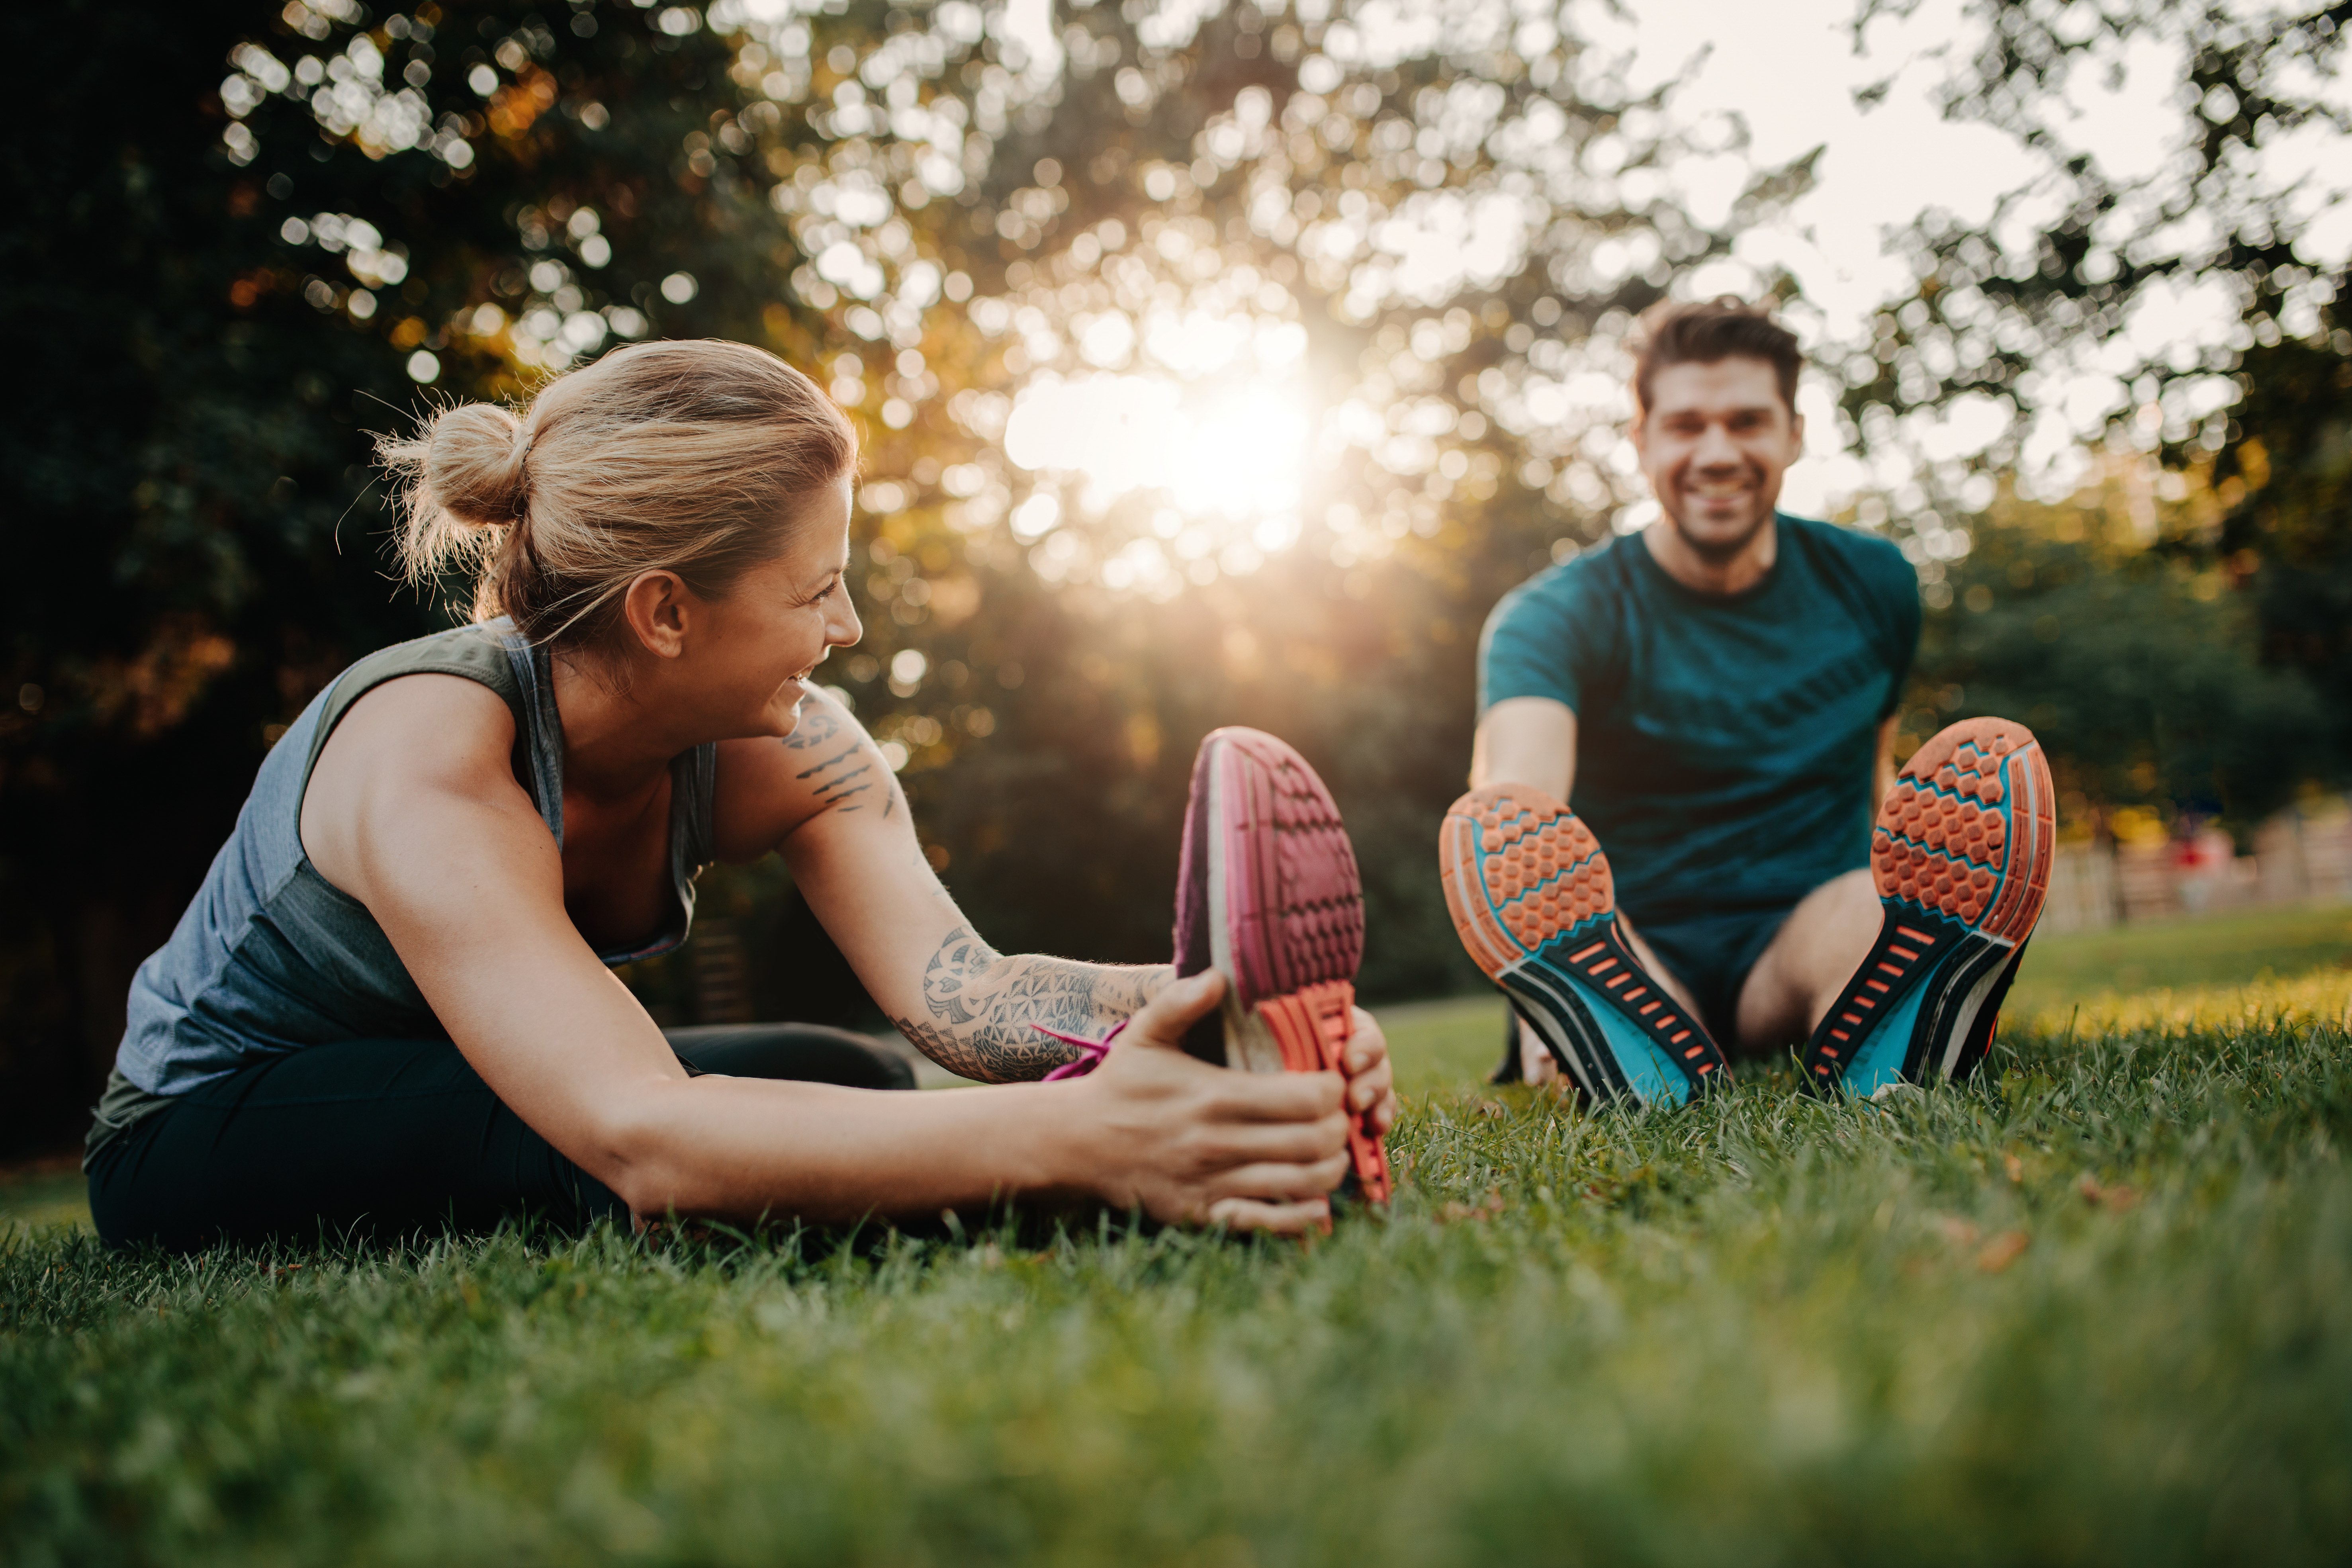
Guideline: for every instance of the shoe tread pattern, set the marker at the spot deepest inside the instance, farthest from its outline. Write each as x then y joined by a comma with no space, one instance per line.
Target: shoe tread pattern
1522,872
1521,869
1295,903
1960,857
1967,830
1301,920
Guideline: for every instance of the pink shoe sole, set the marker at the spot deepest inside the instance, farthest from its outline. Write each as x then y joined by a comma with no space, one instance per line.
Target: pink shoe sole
1268,893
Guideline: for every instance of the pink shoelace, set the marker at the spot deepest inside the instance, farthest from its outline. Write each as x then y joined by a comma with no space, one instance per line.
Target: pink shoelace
1090,1052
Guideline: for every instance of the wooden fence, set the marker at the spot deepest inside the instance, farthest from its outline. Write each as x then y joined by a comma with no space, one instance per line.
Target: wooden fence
2299,855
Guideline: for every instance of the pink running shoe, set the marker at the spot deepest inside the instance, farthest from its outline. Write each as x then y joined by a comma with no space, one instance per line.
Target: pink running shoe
1267,892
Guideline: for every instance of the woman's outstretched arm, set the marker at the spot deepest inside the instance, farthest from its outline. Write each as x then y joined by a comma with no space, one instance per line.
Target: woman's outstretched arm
414,811
826,796
827,799
980,1007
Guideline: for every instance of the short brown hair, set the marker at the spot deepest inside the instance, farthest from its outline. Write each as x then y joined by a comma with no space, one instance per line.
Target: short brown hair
1709,331
695,457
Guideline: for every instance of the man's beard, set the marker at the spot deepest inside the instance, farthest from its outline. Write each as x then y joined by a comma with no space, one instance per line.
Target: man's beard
1716,551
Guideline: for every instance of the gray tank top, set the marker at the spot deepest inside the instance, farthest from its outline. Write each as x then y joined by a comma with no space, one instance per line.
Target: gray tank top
270,958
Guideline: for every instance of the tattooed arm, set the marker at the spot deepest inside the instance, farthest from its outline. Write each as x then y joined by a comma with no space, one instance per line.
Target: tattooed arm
828,798
979,1006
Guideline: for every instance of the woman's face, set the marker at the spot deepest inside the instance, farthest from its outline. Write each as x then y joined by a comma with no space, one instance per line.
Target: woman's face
749,657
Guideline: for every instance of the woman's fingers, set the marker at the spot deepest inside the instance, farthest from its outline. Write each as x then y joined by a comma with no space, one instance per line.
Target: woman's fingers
1279,1181
1371,1074
1279,1219
1292,1143
1273,1096
1177,1008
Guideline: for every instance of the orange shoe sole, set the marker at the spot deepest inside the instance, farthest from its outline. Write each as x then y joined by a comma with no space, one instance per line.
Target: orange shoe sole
1962,857
1533,901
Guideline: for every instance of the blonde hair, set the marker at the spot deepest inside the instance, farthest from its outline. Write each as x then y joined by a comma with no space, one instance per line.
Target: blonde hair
695,457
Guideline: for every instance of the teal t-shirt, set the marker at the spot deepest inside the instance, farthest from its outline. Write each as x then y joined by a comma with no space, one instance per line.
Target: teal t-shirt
1724,743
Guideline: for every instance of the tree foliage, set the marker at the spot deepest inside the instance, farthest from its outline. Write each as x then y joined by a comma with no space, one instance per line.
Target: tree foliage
2083,307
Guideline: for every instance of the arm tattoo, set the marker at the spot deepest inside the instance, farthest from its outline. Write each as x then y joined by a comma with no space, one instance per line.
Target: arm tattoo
843,770
980,1004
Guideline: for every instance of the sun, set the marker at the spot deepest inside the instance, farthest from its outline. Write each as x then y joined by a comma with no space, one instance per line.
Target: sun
1227,456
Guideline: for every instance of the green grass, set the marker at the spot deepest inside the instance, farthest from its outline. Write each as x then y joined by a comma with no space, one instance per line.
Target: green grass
2233,949
2181,969
2094,1307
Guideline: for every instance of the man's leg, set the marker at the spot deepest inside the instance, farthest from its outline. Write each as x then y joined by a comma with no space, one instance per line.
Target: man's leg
1812,956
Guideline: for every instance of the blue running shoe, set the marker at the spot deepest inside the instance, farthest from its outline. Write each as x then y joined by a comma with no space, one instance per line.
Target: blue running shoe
1962,856
1531,897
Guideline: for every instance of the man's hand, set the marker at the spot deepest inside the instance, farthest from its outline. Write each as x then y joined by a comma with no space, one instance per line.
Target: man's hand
1201,1144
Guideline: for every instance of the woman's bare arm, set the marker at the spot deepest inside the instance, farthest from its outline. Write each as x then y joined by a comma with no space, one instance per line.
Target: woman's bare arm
828,799
826,796
412,811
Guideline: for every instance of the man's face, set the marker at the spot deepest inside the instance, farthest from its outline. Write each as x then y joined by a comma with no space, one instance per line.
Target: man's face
1714,443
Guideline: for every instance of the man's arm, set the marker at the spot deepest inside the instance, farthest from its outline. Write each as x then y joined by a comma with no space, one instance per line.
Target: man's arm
1882,770
1528,741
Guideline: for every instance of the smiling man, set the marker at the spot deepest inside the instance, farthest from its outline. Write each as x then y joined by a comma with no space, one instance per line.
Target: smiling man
1715,696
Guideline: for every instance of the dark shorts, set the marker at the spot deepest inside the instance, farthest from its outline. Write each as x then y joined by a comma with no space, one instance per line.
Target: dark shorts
390,1138
1712,954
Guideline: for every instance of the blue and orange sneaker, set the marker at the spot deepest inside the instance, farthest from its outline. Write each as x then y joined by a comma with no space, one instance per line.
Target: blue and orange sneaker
1962,856
1267,892
1531,896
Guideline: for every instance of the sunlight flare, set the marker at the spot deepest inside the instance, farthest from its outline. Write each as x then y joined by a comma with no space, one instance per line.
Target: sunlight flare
1238,456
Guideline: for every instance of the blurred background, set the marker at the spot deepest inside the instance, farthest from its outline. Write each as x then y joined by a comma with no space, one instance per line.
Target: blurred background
1217,363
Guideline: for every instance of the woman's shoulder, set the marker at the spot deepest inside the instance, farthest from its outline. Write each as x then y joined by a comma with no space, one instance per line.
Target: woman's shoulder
483,652
483,658
434,705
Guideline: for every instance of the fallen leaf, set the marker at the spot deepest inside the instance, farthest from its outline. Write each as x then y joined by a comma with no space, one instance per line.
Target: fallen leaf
1486,1208
2119,1197
2002,1251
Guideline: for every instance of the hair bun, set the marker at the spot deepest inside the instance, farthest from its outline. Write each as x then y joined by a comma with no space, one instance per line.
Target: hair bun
474,465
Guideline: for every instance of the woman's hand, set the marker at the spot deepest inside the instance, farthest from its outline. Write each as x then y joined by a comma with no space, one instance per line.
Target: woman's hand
1370,1075
1206,1145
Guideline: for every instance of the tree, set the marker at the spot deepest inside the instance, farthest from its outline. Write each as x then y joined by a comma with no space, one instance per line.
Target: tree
227,285
2138,664
2066,316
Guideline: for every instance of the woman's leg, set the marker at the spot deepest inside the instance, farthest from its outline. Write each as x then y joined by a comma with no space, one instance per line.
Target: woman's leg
386,1137
377,1138
807,1053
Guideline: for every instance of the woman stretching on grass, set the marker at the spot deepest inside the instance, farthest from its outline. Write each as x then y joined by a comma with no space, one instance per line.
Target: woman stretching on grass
389,1007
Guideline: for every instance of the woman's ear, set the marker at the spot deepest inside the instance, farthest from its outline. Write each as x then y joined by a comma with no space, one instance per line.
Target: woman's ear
658,606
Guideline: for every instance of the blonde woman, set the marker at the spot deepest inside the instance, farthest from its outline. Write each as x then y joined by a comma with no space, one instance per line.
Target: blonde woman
390,1007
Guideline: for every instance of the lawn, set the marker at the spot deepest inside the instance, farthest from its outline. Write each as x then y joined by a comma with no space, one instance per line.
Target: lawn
2094,1307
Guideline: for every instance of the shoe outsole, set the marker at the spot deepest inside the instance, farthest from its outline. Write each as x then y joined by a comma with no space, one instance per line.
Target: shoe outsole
1960,856
1533,901
1269,893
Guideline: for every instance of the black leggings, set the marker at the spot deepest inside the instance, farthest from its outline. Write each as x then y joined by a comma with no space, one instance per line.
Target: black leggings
388,1137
